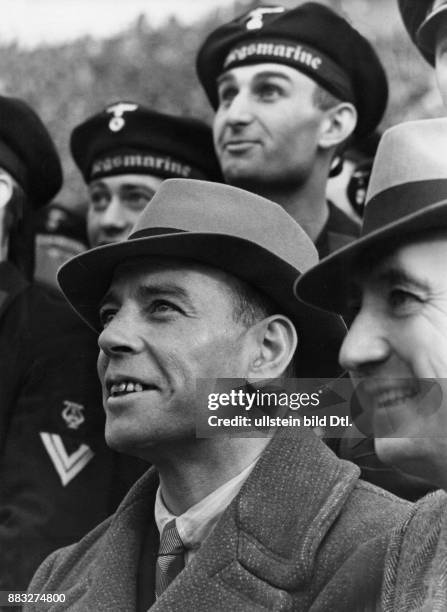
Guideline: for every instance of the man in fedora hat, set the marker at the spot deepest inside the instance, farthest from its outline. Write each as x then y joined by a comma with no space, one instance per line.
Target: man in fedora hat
396,349
290,88
426,23
200,291
125,152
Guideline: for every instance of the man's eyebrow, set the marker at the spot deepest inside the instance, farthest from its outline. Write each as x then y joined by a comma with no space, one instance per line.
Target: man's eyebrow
266,74
132,186
396,275
97,183
145,292
225,77
168,289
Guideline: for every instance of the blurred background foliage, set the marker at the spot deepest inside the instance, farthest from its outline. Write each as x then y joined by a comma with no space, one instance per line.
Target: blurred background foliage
155,66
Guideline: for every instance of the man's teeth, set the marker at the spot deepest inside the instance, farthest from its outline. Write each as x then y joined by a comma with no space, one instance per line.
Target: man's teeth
389,398
123,388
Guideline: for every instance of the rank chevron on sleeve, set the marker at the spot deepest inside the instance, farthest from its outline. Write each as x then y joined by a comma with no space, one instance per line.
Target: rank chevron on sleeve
67,465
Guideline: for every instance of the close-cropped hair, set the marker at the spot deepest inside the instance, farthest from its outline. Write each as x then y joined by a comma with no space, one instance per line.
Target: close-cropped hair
323,99
251,306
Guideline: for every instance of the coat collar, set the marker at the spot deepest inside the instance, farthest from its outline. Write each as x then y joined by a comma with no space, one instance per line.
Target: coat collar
267,539
112,582
262,547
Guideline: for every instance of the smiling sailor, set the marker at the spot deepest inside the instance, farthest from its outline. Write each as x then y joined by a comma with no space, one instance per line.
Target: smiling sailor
290,88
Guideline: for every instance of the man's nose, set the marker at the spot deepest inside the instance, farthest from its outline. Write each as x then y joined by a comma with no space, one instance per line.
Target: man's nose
114,216
240,111
120,336
366,344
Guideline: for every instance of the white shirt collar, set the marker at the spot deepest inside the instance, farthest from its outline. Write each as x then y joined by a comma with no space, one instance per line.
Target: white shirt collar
197,522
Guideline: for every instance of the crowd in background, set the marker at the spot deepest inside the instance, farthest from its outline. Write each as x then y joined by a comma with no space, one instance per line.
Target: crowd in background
127,116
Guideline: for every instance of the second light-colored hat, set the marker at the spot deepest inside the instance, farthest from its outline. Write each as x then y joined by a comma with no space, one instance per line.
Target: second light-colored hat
407,194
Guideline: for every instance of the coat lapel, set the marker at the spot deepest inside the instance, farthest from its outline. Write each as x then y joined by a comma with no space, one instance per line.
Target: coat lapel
265,543
113,583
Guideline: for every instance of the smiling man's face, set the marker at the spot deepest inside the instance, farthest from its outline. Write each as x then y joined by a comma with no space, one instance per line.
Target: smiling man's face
115,204
267,125
397,340
166,324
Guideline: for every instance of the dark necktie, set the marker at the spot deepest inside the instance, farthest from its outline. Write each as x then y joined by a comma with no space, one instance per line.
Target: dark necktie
170,559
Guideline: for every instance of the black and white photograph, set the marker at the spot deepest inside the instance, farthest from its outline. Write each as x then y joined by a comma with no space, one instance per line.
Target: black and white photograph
223,306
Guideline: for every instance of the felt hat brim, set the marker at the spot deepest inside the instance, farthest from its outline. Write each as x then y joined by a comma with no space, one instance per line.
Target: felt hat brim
86,278
327,285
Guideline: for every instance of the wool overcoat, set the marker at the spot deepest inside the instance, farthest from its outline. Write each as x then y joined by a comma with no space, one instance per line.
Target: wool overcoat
304,533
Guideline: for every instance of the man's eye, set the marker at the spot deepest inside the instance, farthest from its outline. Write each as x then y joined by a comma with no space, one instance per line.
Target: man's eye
163,306
137,200
401,299
106,315
268,91
99,200
226,95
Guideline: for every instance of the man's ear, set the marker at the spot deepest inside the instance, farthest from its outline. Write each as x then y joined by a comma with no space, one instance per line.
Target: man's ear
6,189
6,192
338,124
275,341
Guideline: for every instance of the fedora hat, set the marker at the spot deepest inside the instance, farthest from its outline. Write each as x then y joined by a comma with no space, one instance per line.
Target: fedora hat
241,233
407,194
